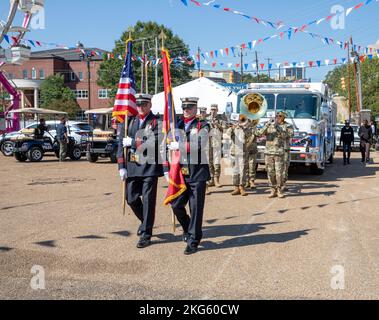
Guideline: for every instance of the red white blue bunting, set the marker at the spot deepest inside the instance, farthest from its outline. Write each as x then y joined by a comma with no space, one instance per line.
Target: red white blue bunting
276,24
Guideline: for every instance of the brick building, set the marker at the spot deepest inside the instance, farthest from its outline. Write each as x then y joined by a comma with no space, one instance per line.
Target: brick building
29,76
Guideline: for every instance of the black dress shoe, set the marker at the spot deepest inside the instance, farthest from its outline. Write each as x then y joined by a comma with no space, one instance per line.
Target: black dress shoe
143,243
139,232
190,249
185,237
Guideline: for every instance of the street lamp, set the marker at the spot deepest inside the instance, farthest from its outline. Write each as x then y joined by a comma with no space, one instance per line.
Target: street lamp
86,56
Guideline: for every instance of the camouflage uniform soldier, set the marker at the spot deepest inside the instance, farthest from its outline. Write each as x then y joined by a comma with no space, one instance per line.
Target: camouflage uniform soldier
215,145
276,133
241,137
253,154
203,114
287,149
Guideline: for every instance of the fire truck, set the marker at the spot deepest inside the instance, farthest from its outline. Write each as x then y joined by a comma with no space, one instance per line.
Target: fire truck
311,112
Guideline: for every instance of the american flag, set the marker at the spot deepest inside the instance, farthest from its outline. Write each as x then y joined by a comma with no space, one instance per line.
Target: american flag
125,103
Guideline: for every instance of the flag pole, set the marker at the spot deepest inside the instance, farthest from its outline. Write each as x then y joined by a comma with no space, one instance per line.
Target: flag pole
125,184
173,220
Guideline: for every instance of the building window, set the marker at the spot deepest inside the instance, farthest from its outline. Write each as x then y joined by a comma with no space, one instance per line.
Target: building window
25,74
103,93
81,94
34,74
73,76
42,74
81,76
81,116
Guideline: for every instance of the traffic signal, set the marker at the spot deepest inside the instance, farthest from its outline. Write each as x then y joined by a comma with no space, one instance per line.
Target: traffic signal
343,84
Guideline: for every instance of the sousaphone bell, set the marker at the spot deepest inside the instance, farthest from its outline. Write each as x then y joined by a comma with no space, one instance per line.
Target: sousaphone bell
254,106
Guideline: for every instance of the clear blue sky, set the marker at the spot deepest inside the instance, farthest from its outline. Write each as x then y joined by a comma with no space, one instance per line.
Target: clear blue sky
99,23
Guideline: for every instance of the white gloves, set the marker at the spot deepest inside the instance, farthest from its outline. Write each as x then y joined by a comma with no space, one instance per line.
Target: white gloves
167,176
123,174
127,142
174,146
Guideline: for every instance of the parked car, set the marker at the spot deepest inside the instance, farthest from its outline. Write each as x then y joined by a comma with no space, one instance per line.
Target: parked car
357,140
78,130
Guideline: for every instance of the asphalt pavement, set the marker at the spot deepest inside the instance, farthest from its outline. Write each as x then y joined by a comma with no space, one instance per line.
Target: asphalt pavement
63,236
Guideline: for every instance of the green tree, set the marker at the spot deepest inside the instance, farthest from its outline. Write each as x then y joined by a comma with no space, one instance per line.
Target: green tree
56,96
4,100
370,83
110,70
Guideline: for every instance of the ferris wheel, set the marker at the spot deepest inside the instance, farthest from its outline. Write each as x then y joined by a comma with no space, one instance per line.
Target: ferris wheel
17,53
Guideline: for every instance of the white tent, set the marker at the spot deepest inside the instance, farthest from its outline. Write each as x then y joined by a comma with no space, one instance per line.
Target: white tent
208,91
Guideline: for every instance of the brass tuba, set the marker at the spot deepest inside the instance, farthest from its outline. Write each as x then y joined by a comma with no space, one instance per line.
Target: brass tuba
254,106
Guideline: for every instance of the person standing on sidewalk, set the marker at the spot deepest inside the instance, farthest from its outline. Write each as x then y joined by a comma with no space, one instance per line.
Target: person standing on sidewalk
365,133
347,138
62,138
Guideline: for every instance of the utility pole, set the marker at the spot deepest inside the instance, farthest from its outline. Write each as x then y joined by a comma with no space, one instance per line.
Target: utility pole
268,66
143,66
349,80
257,64
146,74
156,65
357,77
241,55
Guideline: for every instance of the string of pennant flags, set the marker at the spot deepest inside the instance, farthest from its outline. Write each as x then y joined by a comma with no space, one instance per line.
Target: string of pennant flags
12,40
279,24
190,60
219,53
152,61
302,64
289,33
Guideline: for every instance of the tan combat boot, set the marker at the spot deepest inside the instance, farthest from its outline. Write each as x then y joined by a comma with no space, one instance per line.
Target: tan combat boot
217,183
243,191
211,183
280,193
252,185
273,194
207,192
236,191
